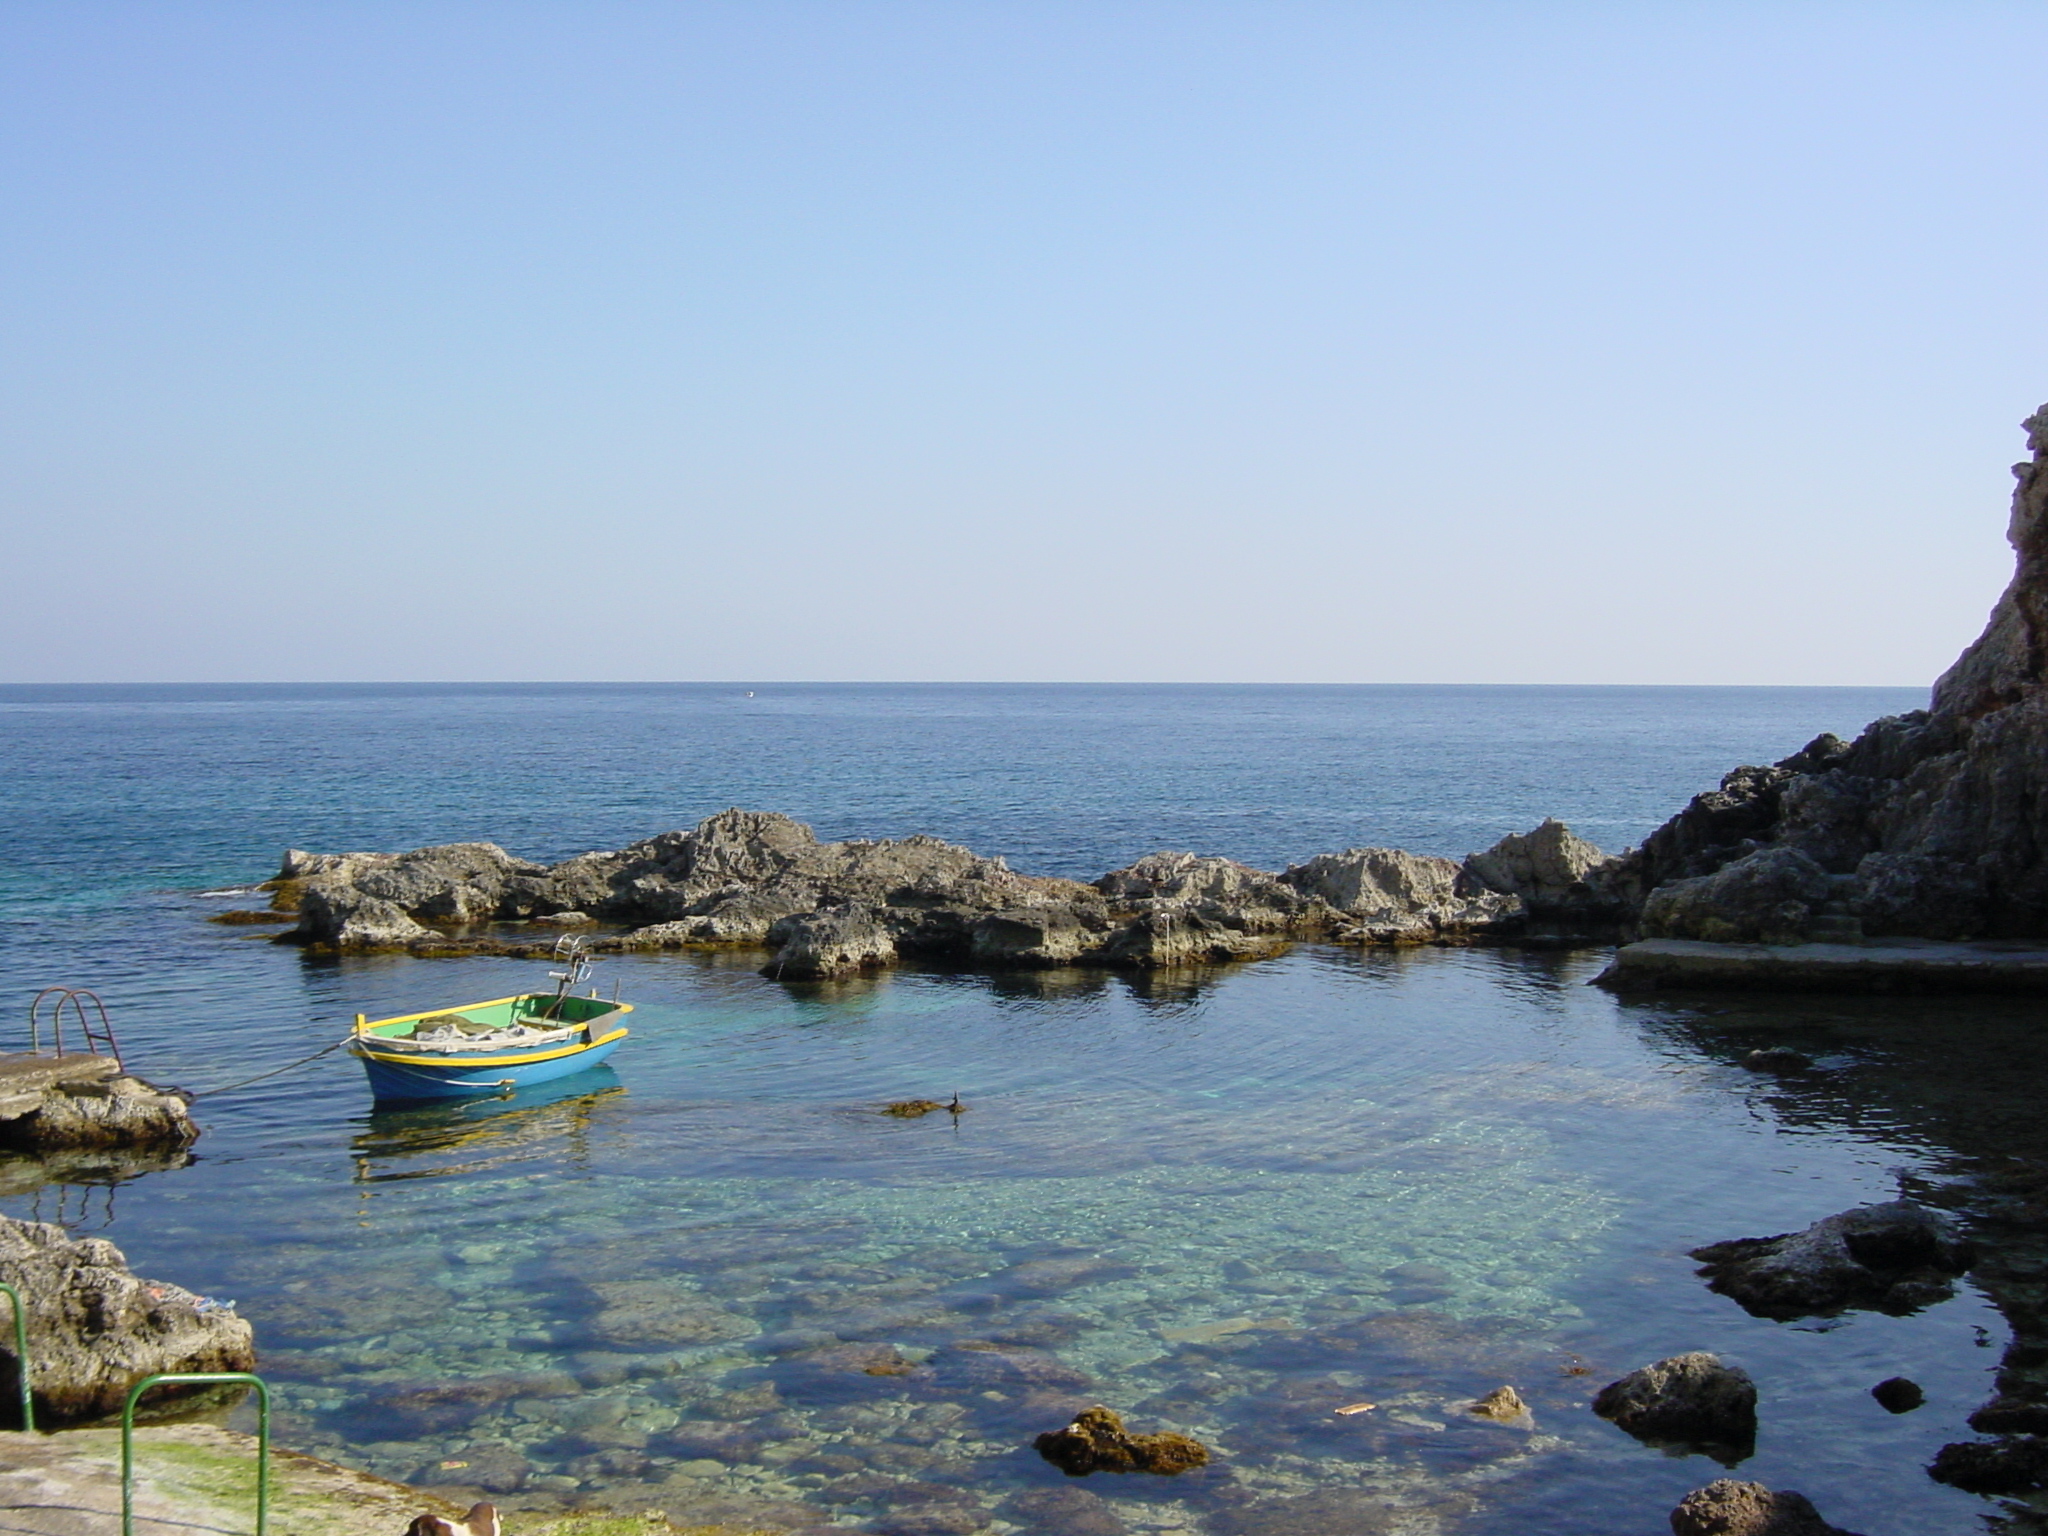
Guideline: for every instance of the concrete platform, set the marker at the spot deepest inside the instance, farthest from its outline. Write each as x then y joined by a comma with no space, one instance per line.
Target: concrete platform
191,1480
1876,965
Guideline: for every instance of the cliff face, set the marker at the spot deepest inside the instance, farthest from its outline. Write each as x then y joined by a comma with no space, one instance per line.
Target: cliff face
1932,824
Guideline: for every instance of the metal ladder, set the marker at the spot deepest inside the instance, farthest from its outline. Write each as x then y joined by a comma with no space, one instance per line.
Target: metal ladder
96,1035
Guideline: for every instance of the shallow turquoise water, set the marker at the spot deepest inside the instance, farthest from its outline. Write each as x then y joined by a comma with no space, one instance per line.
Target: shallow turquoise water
1288,1186
1224,1203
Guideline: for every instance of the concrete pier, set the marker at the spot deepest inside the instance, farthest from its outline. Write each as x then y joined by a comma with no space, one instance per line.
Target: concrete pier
1873,966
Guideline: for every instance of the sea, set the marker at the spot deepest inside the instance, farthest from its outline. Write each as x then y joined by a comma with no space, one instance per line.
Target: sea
713,1279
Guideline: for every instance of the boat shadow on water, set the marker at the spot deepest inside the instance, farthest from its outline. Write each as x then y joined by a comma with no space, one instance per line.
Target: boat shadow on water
445,1138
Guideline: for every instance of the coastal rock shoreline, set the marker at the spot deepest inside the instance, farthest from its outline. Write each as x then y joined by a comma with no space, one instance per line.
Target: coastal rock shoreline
749,879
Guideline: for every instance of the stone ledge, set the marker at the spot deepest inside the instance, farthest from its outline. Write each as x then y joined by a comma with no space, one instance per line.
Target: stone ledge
1879,965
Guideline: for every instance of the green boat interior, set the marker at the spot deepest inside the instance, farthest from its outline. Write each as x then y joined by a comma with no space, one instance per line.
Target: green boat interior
539,1018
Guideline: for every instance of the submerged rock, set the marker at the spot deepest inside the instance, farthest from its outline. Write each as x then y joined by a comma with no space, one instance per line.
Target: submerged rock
95,1329
1096,1441
1894,1258
1503,1405
1690,1400
1896,1394
1729,1508
1064,1511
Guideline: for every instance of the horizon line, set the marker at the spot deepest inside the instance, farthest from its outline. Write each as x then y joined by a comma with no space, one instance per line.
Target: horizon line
758,683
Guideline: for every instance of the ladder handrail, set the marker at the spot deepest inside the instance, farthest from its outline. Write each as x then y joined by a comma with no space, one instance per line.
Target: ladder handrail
77,998
194,1379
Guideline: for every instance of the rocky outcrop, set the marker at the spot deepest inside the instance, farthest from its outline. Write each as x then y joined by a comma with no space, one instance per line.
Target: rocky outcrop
1766,897
94,1329
1692,1401
79,1103
1096,1441
1934,824
1729,1508
1562,881
1894,1258
1389,896
830,909
2015,1464
835,943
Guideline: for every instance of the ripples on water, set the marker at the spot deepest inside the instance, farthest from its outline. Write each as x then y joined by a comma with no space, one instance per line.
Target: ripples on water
1225,1203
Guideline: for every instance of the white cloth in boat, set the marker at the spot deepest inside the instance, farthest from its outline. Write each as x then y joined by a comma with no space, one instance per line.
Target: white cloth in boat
446,1040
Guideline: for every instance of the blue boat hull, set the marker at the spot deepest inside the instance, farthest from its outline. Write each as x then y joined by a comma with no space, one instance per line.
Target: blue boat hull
453,1080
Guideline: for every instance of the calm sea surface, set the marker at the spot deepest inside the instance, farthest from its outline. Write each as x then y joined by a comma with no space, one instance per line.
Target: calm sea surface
1223,1202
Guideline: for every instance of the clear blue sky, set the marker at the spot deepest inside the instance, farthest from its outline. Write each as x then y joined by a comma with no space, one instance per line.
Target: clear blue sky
1653,342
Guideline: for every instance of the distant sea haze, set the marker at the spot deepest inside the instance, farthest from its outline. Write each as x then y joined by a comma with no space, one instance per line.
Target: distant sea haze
117,788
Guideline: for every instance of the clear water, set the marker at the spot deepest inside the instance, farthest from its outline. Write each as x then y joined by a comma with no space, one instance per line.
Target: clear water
1224,1202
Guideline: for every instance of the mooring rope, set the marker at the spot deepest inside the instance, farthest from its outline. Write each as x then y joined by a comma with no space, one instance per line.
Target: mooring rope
329,1050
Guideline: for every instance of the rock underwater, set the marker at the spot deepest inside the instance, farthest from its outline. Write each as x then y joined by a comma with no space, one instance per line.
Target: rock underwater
749,878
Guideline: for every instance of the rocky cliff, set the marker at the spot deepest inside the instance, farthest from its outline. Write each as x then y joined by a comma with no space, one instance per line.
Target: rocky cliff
1931,824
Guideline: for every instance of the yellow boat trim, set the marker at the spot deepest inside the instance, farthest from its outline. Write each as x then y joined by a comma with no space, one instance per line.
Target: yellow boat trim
364,1026
413,1059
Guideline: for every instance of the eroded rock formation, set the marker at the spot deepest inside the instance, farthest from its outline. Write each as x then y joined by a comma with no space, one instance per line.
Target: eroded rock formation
1895,1258
78,1103
830,909
94,1329
1932,824
1729,1508
1096,1441
1692,1401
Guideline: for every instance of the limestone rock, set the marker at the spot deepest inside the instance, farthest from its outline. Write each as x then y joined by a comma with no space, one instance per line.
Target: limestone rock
1556,874
1096,1441
1043,935
822,944
1168,937
90,1114
1729,1508
1896,1258
1688,1400
1392,897
1503,1405
1939,815
1193,882
95,1329
343,917
1768,897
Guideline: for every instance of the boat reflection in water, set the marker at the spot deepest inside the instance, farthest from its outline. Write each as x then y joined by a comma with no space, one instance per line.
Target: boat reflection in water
444,1138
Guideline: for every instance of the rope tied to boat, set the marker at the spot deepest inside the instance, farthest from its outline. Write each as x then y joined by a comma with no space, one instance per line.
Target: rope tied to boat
303,1061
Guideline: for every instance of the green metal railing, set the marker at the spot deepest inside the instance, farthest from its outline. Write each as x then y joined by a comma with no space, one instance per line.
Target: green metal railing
203,1378
28,1402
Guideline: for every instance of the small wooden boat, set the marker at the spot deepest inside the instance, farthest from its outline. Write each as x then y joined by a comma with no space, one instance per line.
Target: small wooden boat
492,1047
